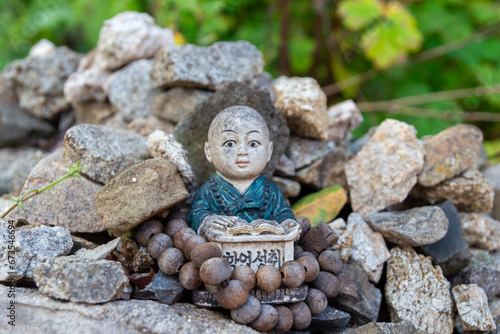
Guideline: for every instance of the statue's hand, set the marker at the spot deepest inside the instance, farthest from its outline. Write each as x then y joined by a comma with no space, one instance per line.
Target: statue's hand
217,223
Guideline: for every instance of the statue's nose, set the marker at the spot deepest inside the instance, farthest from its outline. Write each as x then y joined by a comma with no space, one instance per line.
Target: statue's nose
242,150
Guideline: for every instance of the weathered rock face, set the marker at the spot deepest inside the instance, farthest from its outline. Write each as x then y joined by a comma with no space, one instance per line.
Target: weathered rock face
139,193
328,319
69,204
343,117
16,125
366,308
99,252
173,104
146,126
131,90
15,166
127,37
386,168
87,84
132,316
31,247
385,328
93,112
472,308
303,152
449,153
470,192
369,249
85,281
417,292
480,230
104,153
486,277
167,289
192,130
303,104
492,174
39,81
289,188
208,67
414,227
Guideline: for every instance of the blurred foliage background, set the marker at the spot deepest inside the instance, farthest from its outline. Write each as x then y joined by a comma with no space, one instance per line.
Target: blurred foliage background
432,63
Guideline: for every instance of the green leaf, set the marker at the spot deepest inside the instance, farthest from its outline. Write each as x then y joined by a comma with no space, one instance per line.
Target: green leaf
380,46
358,13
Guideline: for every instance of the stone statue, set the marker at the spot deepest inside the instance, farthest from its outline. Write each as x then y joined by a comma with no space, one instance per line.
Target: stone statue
238,196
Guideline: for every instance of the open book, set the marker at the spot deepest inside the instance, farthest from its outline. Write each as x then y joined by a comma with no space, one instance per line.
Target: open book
258,226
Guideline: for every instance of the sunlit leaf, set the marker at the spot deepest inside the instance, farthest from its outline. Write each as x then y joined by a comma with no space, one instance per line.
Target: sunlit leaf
358,13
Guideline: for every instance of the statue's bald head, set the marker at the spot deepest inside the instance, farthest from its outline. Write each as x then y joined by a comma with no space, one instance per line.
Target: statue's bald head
234,115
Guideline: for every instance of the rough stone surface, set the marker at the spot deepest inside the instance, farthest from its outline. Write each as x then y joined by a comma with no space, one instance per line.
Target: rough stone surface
470,192
131,90
472,308
104,153
449,153
139,193
366,308
414,227
166,288
289,188
15,166
385,328
47,315
84,280
192,130
87,84
69,204
452,244
173,104
418,292
208,67
99,252
329,318
93,112
127,37
386,168
486,277
325,172
285,167
480,230
303,152
492,174
343,117
344,244
369,249
146,126
31,247
39,81
303,104
17,126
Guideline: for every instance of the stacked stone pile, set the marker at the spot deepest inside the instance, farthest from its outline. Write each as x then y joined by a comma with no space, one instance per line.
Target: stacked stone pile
418,223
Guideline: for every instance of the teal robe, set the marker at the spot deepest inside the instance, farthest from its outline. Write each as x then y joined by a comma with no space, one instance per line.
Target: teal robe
262,200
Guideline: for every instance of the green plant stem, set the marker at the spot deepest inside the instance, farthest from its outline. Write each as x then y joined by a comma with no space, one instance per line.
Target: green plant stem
15,205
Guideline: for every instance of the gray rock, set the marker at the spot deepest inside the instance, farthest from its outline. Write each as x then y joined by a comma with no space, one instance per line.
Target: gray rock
472,308
385,328
87,84
449,153
30,247
139,193
486,277
166,288
69,204
132,316
39,81
192,130
131,90
15,166
329,318
480,230
414,227
177,102
93,112
85,281
365,309
99,252
386,168
303,104
326,172
303,152
129,36
285,166
469,191
17,126
104,152
417,292
146,126
208,67
289,188
343,117
492,174
452,243
369,250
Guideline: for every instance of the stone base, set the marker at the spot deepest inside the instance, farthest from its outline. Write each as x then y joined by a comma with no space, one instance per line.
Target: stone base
204,298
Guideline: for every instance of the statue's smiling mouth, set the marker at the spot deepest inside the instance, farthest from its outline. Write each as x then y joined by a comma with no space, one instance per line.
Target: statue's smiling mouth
242,163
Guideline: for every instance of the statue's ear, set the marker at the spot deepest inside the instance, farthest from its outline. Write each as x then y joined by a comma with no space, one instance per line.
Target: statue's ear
270,154
207,152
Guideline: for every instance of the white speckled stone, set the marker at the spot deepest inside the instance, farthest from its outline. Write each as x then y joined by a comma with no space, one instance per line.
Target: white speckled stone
472,308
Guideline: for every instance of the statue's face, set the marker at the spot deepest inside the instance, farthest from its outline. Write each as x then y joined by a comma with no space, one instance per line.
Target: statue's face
239,148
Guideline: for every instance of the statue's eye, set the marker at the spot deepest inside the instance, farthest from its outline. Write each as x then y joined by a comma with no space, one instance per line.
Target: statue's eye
254,143
229,143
